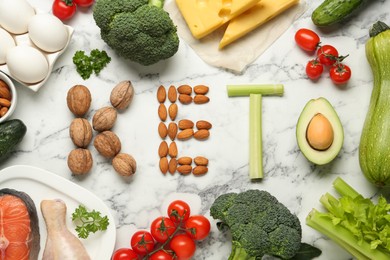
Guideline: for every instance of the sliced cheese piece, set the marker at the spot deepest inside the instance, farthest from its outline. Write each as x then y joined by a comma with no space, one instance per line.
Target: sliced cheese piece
204,16
253,18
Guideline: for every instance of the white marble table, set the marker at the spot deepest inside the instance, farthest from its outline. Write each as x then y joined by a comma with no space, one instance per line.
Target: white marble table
288,175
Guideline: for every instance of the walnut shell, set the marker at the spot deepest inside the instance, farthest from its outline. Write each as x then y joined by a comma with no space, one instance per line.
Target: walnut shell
124,164
80,161
79,100
122,95
107,144
80,132
104,119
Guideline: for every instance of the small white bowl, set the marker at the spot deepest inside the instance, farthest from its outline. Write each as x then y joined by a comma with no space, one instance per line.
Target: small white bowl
12,89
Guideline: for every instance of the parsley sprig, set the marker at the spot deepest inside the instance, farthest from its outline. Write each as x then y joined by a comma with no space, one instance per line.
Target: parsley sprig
88,221
95,62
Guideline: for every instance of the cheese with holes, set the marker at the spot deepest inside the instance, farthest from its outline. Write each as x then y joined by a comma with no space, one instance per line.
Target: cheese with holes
253,18
204,16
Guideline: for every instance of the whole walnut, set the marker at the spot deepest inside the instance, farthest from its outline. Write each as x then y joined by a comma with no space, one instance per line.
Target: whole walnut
80,132
79,100
107,144
80,161
122,95
124,164
104,118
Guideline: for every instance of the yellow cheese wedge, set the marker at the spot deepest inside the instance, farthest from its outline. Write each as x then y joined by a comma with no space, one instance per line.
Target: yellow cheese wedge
204,16
253,18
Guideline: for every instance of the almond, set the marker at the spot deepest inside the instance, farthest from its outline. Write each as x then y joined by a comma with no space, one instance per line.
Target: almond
185,99
185,160
172,165
5,102
172,94
184,89
201,99
3,111
172,111
185,124
162,112
203,124
4,91
161,94
201,161
201,89
172,151
164,165
202,134
162,130
184,169
172,130
199,170
163,149
185,134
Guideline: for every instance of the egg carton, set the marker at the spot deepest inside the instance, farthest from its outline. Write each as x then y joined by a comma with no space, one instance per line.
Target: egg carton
24,39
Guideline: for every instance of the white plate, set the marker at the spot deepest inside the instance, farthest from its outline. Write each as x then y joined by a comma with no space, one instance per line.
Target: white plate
40,184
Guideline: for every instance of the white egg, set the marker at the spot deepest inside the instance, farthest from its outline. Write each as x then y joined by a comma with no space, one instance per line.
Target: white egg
27,64
47,32
15,15
6,43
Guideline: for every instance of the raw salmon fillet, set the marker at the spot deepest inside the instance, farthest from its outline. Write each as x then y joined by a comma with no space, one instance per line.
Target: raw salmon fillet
18,227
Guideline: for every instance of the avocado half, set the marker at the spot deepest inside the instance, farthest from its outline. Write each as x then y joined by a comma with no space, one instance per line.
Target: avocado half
312,108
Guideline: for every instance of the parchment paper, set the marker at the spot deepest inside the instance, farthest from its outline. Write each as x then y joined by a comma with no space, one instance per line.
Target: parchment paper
238,55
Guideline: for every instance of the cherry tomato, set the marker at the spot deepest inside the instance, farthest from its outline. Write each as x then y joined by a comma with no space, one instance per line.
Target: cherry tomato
64,9
307,39
84,3
183,246
197,227
178,211
314,69
142,242
162,228
161,255
327,55
340,74
124,254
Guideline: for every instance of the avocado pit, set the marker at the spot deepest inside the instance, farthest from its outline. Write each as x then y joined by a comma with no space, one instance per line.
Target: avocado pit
319,133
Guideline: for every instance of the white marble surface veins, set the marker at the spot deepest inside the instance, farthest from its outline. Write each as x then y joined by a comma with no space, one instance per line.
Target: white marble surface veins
287,174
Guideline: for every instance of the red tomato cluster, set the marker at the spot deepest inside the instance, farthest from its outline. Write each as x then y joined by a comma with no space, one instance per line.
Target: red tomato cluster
326,55
65,9
169,238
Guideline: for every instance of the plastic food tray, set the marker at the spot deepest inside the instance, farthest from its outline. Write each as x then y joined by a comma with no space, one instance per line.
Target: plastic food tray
24,39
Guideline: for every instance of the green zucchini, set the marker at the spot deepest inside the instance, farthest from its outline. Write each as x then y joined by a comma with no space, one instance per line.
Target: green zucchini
374,147
11,134
334,11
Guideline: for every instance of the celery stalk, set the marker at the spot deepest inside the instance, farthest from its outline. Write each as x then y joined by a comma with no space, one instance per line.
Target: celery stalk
344,189
255,137
343,237
263,89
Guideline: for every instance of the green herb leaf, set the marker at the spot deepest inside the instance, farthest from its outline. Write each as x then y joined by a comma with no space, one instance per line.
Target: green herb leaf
83,64
88,221
86,65
99,59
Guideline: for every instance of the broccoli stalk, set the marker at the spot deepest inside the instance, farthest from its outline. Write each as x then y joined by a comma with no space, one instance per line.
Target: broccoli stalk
239,253
340,225
138,30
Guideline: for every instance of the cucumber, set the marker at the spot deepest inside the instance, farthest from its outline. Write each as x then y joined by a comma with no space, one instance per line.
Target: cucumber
334,11
11,134
374,147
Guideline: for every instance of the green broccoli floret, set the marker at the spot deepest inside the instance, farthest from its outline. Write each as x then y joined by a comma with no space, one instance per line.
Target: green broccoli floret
259,224
139,30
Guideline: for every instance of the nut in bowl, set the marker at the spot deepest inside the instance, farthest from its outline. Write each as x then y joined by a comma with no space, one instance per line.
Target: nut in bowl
8,97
